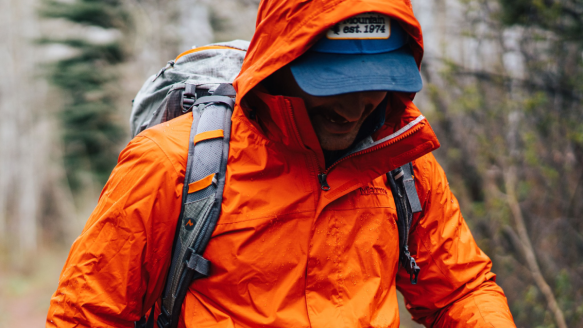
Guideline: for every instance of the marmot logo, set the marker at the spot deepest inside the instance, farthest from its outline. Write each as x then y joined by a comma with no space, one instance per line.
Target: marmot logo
189,225
372,191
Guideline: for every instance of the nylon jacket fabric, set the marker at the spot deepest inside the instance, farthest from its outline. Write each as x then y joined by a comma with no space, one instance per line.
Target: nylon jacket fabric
285,253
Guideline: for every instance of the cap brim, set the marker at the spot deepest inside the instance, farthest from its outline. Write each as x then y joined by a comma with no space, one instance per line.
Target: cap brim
326,74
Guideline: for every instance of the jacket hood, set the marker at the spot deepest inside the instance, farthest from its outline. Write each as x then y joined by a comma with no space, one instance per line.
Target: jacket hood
287,29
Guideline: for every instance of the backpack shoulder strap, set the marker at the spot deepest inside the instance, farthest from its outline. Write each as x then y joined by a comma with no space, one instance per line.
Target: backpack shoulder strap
410,190
204,182
402,183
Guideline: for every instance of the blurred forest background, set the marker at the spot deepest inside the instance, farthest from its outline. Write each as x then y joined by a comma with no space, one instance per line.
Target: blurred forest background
503,91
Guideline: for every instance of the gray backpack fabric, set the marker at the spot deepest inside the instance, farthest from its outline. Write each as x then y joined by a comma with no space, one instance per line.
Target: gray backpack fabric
200,69
200,81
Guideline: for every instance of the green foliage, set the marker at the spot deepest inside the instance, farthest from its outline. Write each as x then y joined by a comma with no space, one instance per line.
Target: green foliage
563,17
532,309
91,128
102,13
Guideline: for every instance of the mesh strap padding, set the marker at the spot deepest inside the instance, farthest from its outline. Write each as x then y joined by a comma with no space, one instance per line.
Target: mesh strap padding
207,153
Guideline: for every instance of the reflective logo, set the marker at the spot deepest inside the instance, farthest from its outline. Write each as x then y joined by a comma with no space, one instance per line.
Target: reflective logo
363,26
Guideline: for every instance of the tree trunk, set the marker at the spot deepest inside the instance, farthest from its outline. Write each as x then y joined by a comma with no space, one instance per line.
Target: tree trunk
510,183
19,148
26,134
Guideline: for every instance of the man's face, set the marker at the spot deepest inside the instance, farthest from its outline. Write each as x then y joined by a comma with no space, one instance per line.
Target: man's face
336,119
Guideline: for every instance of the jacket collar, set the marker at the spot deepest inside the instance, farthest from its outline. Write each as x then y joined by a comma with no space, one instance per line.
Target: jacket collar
405,136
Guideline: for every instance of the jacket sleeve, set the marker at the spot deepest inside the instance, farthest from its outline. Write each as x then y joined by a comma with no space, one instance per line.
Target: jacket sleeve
456,287
116,268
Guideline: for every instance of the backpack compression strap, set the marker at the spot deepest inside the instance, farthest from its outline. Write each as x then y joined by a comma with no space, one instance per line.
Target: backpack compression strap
402,185
201,201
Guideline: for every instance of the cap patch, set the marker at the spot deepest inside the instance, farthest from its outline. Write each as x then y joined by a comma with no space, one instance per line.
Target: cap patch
361,27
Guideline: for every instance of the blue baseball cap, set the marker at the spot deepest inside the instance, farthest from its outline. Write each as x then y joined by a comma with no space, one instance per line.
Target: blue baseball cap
367,52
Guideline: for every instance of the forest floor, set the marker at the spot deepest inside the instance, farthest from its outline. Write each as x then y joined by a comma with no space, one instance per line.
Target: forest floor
25,292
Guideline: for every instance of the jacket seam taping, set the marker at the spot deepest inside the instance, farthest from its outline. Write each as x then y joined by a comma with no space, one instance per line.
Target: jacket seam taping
164,152
480,312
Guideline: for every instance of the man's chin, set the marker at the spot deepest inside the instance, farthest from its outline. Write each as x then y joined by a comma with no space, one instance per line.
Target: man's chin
336,143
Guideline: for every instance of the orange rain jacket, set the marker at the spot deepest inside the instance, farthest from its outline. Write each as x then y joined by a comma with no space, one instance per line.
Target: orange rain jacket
285,253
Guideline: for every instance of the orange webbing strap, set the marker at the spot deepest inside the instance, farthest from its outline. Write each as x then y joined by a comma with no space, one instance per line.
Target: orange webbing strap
208,135
201,184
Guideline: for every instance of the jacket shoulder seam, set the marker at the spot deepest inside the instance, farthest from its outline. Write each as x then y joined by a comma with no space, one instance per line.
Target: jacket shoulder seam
163,151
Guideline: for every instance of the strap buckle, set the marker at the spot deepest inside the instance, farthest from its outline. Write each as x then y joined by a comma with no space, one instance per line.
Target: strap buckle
188,97
410,266
398,173
414,271
164,318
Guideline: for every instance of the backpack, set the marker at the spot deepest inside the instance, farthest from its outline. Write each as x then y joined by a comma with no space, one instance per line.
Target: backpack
195,73
199,80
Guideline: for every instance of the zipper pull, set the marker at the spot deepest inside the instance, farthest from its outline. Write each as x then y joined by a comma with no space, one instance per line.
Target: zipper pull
323,182
168,66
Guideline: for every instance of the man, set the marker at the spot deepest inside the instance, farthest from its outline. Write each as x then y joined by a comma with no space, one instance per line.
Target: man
307,235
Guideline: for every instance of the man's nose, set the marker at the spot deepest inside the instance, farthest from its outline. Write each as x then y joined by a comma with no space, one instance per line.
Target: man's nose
353,105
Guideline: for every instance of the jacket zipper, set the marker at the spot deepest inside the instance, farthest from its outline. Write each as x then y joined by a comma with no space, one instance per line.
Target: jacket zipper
323,183
323,176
